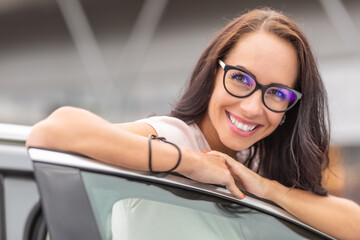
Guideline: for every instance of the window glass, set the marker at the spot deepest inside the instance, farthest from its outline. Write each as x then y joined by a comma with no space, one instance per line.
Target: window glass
129,209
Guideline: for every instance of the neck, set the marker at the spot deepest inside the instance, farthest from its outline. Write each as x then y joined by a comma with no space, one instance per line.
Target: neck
213,138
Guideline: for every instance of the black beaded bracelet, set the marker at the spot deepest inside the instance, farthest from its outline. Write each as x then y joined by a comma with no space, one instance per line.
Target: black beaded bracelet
151,137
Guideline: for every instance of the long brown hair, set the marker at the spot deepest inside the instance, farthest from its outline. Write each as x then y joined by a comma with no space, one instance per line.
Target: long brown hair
296,152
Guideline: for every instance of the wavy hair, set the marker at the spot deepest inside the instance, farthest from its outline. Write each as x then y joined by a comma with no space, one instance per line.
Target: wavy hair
296,152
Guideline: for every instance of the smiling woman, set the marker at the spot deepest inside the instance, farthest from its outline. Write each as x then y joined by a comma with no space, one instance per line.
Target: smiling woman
273,50
253,118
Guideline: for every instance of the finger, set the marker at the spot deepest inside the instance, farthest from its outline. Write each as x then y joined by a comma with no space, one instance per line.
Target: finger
239,185
235,167
232,162
215,153
235,190
221,155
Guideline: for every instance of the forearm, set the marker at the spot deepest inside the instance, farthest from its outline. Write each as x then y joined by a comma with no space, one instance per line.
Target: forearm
80,131
335,216
122,148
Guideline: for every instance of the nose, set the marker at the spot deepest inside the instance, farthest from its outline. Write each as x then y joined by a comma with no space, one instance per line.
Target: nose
252,105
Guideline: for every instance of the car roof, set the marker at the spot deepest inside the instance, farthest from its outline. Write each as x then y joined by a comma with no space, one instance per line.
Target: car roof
12,132
12,149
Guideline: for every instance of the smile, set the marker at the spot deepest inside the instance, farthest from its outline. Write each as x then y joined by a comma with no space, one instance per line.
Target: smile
241,126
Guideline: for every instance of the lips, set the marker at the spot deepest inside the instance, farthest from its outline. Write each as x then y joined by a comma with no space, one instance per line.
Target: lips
241,126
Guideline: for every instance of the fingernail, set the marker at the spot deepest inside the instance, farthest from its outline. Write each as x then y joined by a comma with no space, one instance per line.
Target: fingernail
206,151
244,195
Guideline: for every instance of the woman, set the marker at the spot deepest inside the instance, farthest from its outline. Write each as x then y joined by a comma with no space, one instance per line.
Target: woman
256,96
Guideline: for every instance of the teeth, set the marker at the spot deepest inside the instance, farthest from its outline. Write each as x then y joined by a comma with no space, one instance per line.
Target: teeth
241,126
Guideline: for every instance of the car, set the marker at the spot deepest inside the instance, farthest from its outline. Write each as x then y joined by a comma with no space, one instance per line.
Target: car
21,214
50,194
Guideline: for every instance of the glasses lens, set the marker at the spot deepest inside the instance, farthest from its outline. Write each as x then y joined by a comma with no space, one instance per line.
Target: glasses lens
239,83
279,99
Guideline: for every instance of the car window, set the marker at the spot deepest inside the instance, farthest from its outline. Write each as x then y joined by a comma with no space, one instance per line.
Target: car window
133,209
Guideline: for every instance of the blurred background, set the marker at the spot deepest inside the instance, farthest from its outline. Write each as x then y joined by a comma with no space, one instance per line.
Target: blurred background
127,59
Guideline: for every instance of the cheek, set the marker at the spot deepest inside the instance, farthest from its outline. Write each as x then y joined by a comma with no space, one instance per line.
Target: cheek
274,119
220,100
215,105
217,94
220,96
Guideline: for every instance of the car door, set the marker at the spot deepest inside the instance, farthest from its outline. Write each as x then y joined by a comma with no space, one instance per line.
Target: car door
20,209
84,199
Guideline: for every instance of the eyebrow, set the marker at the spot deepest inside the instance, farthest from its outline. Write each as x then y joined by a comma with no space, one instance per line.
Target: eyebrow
242,67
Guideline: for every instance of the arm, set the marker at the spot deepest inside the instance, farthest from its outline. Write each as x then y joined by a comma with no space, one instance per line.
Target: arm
126,145
335,216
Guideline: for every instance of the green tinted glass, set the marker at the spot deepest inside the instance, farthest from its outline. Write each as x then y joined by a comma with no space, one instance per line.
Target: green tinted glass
127,209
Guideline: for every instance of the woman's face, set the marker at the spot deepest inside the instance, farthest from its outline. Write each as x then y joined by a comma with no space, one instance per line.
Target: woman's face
271,60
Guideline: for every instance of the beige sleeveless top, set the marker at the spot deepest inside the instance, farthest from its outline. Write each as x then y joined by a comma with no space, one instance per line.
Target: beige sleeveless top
178,132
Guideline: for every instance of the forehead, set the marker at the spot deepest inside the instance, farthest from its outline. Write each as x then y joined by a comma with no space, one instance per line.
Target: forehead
269,58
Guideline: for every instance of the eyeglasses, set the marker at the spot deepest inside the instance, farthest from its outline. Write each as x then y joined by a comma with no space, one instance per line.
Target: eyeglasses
239,83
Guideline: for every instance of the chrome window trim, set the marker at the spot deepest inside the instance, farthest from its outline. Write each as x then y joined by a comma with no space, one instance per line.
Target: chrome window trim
69,160
12,132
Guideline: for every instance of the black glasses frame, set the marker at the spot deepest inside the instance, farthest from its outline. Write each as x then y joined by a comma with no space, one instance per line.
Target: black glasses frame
258,86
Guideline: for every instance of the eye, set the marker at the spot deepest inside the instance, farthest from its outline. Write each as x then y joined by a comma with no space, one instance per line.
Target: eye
278,94
241,78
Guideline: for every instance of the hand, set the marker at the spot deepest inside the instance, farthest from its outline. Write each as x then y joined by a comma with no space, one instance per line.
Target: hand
208,168
245,177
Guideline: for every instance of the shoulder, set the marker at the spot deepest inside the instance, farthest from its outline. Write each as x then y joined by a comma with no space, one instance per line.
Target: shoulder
166,126
166,122
159,125
177,131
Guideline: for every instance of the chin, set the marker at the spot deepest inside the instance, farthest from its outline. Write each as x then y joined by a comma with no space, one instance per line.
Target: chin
236,145
241,148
